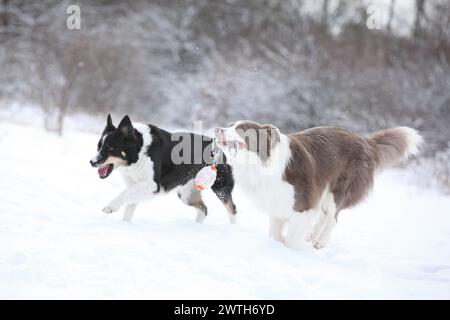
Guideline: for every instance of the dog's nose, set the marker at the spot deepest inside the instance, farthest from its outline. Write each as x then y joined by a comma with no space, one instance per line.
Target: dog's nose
92,163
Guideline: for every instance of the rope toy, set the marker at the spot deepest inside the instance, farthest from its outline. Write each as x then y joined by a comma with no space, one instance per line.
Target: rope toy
206,177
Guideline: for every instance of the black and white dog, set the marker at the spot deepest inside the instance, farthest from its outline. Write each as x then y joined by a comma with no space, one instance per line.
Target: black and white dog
151,161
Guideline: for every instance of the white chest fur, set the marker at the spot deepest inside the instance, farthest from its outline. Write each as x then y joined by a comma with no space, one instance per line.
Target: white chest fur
264,184
142,169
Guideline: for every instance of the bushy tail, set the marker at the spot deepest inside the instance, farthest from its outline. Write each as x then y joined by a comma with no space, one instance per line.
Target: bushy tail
395,144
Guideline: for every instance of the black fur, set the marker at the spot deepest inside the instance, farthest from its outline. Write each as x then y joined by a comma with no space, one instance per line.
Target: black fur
169,175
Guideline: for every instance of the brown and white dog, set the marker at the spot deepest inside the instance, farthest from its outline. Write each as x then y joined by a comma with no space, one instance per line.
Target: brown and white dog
304,180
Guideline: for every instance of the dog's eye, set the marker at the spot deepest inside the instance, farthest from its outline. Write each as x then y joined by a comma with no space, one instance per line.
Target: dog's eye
110,149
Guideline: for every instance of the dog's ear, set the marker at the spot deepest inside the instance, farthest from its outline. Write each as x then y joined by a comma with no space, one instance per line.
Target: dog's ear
272,131
271,137
109,122
125,126
109,125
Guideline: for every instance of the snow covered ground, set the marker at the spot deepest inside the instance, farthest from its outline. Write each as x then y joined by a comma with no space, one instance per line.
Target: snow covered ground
56,243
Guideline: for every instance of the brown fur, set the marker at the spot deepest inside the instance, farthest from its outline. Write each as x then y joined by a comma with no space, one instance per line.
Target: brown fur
391,146
341,160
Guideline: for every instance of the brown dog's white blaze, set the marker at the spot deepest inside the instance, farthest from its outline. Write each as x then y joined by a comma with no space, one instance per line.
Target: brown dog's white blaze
228,142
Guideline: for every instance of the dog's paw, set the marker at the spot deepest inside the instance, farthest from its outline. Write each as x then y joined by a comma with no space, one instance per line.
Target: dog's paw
313,235
310,237
319,244
200,217
232,218
110,209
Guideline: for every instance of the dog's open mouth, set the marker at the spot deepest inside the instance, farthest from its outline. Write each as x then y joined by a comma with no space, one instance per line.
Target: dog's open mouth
105,170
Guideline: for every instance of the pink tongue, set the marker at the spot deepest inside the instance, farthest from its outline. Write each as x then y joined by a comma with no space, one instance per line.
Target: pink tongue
103,171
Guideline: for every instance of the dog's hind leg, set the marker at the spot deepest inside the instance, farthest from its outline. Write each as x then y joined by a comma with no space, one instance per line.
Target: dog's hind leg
129,212
225,197
231,209
192,197
323,238
318,227
299,227
202,211
222,187
330,211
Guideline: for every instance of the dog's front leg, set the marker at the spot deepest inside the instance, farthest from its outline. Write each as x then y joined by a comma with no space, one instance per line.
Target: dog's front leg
276,229
129,208
133,194
299,227
129,212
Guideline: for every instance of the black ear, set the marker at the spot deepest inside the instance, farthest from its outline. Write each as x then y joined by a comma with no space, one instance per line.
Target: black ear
109,121
109,125
125,126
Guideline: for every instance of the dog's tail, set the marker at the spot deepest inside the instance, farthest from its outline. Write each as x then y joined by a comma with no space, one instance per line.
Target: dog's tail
395,144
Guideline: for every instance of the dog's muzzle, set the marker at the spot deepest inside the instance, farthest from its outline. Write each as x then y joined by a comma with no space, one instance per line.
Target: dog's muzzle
104,170
97,161
94,162
224,141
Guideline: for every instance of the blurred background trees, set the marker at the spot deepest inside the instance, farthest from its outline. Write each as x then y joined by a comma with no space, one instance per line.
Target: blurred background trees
293,63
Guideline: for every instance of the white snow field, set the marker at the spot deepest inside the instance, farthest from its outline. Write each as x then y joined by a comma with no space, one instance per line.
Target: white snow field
56,243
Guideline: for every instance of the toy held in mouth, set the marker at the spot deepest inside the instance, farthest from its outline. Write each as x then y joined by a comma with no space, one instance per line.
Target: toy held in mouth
205,177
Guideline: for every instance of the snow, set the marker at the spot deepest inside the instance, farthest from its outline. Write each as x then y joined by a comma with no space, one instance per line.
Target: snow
56,242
